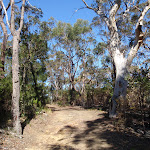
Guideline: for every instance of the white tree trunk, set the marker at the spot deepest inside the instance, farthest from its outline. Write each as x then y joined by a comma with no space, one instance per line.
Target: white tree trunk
121,63
120,83
16,86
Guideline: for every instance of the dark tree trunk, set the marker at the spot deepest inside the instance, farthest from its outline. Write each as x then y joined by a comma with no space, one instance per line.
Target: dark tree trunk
35,84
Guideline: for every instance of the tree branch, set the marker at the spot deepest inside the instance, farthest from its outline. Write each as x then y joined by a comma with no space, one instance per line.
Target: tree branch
139,35
99,12
128,8
112,14
32,6
5,11
12,27
88,5
22,16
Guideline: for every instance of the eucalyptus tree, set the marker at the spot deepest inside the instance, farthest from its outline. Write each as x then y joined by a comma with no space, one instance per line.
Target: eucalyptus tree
56,76
87,67
33,56
68,39
32,68
15,61
117,15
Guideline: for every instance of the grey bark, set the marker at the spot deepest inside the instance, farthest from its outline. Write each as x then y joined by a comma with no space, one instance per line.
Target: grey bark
15,65
16,85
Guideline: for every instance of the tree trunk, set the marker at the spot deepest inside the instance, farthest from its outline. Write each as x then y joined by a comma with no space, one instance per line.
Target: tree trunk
57,89
121,63
83,92
16,85
3,47
113,74
120,83
72,89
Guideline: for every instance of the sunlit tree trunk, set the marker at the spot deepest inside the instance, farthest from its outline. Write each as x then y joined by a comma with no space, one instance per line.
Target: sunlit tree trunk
16,85
120,83
121,62
15,66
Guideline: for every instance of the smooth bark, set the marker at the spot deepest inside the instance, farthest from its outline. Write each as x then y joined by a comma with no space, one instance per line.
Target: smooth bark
15,65
121,62
16,86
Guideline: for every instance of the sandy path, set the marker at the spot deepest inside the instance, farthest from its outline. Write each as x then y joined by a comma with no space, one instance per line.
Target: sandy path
73,128
65,128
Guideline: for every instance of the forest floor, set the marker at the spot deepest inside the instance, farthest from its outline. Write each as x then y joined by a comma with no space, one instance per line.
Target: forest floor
73,128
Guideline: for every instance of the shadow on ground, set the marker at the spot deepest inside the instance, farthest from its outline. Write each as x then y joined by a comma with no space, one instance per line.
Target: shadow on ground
100,134
59,147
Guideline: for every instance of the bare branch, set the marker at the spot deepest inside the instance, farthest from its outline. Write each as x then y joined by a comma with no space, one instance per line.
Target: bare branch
112,14
5,11
137,8
88,5
12,27
114,9
103,16
22,16
32,5
76,67
76,11
139,35
128,8
18,2
140,20
99,12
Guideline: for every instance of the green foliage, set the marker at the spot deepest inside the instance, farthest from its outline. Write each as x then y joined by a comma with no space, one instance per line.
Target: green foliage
6,89
100,48
139,88
5,99
33,55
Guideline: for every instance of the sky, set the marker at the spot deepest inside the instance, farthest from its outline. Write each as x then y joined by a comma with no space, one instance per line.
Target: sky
64,10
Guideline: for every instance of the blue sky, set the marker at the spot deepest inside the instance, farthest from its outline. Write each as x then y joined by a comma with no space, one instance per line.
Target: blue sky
64,10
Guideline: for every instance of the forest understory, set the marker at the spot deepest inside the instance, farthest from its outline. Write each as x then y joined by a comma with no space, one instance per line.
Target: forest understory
75,128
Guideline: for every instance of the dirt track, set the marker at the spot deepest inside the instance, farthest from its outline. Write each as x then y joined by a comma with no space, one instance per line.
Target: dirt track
73,128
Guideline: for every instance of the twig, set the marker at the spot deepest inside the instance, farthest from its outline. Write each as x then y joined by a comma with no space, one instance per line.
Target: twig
32,6
76,11
88,5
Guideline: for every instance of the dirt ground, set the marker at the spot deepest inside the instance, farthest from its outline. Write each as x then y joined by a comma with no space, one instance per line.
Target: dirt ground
73,128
